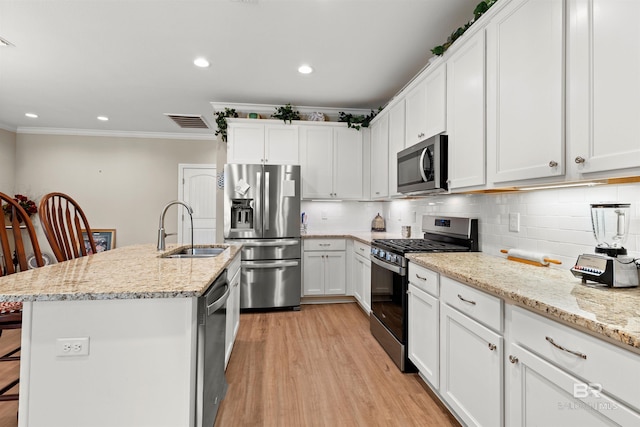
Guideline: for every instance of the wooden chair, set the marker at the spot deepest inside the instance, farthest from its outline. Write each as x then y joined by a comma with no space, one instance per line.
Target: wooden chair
11,311
63,222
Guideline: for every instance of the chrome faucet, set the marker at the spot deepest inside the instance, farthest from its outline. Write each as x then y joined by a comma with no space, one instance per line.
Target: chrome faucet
161,233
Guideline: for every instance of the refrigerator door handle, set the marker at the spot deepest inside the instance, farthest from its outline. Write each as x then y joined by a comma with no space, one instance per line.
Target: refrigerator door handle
291,242
267,193
269,264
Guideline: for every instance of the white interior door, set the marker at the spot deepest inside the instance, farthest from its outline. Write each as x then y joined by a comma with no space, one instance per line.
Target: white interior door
198,190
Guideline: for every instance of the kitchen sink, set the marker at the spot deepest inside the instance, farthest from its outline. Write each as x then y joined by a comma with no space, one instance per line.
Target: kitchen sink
196,252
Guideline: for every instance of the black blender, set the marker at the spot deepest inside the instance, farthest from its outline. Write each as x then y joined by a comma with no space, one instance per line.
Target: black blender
610,265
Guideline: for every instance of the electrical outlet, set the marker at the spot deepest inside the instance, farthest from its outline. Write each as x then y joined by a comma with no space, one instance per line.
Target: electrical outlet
324,215
67,347
514,222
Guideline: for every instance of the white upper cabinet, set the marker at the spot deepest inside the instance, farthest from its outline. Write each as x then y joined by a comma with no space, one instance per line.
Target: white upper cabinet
436,98
331,159
604,86
416,111
466,113
426,106
380,157
347,160
396,143
525,91
261,143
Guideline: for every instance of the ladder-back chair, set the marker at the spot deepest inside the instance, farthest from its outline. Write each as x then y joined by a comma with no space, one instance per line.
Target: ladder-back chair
63,222
14,259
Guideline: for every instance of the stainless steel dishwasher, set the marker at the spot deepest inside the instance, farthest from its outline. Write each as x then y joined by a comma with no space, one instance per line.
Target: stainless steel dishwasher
211,382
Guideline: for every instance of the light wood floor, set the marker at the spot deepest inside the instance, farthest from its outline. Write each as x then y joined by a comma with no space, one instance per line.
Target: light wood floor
319,367
9,371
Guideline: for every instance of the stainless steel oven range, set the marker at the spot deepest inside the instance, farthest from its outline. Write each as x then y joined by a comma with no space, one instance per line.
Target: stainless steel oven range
389,279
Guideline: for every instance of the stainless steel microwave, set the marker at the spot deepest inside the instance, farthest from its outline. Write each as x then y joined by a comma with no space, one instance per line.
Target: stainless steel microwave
422,168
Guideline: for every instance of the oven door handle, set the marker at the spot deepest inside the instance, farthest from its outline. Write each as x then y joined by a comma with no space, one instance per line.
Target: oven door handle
394,268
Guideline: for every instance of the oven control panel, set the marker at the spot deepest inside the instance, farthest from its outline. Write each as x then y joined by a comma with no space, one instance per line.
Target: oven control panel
387,256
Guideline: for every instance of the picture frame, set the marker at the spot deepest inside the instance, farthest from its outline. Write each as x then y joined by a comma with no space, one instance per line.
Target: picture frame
105,239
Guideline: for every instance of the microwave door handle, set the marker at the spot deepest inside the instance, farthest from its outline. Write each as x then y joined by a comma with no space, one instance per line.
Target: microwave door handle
424,153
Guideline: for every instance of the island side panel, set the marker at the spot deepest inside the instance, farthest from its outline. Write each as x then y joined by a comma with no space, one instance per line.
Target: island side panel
140,370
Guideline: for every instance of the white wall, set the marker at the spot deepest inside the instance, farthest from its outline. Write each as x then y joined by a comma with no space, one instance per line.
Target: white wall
556,222
7,161
120,182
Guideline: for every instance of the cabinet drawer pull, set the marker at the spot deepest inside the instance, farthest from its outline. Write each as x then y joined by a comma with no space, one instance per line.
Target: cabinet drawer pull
362,249
575,353
466,300
422,278
324,244
513,359
492,346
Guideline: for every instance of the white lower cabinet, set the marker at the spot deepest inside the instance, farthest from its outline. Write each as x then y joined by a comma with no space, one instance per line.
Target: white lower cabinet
424,312
471,369
541,373
559,376
232,310
542,394
324,267
361,275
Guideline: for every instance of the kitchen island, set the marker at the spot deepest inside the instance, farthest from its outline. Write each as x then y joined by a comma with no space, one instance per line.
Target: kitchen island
138,314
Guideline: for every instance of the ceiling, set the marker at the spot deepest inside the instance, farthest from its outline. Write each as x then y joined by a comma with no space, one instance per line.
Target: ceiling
132,60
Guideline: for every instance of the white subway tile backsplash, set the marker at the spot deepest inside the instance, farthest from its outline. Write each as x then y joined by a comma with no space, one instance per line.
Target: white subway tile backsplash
556,222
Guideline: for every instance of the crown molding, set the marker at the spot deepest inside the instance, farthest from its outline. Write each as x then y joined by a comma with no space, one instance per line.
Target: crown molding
8,128
118,134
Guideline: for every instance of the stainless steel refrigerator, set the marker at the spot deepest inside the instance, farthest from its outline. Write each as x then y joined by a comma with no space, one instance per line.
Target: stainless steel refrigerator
262,211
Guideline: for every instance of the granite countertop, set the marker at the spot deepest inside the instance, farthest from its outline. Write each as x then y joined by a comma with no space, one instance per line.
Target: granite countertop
130,272
610,312
362,236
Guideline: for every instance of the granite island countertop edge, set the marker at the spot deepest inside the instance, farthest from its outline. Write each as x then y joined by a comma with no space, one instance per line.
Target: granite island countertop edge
130,272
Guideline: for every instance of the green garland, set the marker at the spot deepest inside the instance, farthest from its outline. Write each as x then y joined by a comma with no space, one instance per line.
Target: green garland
357,122
480,9
286,113
221,121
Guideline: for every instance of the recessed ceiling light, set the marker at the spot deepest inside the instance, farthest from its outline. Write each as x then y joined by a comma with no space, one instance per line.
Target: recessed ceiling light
201,62
305,69
31,115
103,118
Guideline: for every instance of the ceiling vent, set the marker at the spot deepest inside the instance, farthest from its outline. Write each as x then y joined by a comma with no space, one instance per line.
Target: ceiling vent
188,121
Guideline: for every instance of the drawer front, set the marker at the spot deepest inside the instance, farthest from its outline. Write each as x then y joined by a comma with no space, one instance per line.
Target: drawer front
597,362
476,304
424,279
361,248
325,245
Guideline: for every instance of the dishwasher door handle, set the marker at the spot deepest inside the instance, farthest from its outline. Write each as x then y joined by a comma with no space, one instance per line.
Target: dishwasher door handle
217,304
269,264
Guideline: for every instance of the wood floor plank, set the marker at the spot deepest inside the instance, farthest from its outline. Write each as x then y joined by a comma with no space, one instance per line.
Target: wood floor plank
319,367
9,340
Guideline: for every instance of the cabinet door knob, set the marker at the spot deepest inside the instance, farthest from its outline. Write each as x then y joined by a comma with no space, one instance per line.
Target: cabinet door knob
492,346
513,359
580,159
553,164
